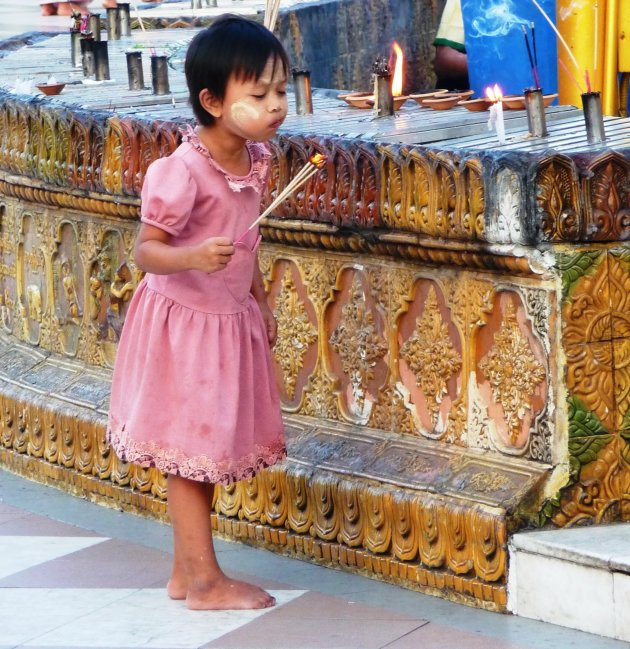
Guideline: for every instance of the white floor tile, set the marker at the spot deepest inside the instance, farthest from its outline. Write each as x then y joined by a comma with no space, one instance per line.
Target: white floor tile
123,617
18,553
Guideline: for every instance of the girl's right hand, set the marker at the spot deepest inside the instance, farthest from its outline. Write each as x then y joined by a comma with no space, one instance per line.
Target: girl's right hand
212,254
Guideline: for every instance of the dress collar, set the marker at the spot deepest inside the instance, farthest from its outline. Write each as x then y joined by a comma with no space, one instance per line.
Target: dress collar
258,154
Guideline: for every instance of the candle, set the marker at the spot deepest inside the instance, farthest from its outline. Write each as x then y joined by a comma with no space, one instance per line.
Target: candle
496,119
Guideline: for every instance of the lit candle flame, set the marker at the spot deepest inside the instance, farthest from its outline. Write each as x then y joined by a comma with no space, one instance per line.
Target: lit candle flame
495,93
397,81
318,159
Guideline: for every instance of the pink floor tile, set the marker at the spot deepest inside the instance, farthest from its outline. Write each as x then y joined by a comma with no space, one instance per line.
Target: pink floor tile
111,564
436,636
21,524
316,621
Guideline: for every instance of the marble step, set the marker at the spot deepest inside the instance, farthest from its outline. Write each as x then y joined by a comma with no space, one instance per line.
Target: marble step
577,578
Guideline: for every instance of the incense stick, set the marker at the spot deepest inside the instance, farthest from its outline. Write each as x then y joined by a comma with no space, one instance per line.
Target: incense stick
563,65
533,28
307,171
144,31
272,8
558,34
531,58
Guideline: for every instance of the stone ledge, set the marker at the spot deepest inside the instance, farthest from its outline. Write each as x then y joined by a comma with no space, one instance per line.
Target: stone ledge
603,546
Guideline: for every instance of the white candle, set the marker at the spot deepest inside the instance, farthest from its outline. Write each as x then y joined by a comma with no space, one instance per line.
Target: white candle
500,125
496,119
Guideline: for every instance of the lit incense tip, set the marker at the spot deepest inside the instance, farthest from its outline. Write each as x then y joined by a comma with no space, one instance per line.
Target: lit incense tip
318,159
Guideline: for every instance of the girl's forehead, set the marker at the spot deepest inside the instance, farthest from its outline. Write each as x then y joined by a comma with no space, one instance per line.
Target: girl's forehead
274,70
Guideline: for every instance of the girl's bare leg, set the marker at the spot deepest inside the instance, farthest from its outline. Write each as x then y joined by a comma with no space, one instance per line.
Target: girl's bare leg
195,566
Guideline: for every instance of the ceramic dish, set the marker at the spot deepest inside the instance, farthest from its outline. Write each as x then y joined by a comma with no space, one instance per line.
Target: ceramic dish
399,101
51,88
358,99
366,100
442,102
475,105
513,102
419,97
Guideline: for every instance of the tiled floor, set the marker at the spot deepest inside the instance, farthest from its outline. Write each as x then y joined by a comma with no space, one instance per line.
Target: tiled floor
75,575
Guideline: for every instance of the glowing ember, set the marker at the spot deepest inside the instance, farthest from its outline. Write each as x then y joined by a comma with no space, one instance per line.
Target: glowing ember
495,93
318,159
397,81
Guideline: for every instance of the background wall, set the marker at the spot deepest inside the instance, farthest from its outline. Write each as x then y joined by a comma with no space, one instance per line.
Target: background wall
359,31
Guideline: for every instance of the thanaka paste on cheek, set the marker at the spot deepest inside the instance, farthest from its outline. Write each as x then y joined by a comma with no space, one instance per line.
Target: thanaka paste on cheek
242,111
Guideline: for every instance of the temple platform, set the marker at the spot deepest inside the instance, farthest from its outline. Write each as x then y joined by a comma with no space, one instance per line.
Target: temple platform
74,575
453,321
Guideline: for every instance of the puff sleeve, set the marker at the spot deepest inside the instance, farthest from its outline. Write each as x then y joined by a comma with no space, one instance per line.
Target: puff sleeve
168,195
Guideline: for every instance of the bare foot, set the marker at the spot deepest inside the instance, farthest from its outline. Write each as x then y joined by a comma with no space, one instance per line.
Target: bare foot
228,594
176,588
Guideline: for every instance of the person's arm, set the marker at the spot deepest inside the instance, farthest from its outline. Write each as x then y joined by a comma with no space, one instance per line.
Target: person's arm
153,254
451,67
260,295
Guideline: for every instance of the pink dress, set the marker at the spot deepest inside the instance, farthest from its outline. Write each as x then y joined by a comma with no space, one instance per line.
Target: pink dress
193,391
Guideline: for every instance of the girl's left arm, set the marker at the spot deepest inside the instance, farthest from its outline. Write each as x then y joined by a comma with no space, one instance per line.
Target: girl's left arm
258,291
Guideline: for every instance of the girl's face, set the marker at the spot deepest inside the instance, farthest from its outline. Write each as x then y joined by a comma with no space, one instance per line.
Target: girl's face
255,110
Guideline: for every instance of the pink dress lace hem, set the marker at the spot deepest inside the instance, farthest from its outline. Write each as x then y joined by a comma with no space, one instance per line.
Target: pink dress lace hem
201,467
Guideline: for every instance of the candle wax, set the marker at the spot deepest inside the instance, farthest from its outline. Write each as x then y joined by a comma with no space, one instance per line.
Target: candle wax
496,121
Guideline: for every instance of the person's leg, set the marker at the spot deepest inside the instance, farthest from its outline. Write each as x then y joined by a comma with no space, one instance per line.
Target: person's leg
196,572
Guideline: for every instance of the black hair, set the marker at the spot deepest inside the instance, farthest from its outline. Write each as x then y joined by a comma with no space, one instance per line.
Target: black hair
232,46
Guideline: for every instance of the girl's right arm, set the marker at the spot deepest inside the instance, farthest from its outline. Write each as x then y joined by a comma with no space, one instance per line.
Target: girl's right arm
154,254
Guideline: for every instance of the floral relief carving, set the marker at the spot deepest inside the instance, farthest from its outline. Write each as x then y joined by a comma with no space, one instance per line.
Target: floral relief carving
358,342
392,189
295,333
319,277
431,356
509,209
447,201
321,395
586,334
557,199
419,200
610,200
512,371
473,222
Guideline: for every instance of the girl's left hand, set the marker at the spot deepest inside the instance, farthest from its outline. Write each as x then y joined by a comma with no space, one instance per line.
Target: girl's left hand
270,323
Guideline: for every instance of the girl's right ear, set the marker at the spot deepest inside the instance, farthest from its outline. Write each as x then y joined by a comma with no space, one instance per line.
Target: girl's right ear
210,103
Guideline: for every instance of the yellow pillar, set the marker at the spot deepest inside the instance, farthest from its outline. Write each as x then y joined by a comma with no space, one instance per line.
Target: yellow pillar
582,26
624,55
624,36
610,90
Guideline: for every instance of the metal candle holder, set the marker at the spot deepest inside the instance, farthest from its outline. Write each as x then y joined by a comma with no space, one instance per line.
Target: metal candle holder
124,19
101,60
113,24
592,105
159,74
303,95
94,25
383,99
134,70
75,47
87,56
535,112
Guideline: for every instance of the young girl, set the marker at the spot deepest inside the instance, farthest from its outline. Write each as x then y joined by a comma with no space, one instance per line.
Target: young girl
193,390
